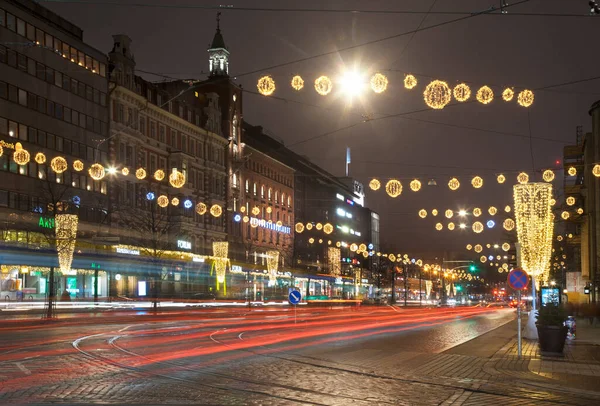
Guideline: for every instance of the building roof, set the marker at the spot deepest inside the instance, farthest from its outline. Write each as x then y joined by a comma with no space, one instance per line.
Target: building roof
218,41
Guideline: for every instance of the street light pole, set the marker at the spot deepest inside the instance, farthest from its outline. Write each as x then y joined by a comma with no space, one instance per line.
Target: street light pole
405,291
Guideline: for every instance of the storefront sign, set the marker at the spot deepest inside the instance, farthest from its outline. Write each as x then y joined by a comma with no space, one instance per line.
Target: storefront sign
46,222
8,145
269,225
128,251
186,245
197,259
236,268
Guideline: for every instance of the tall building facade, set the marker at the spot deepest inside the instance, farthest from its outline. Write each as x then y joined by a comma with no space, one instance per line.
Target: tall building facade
53,104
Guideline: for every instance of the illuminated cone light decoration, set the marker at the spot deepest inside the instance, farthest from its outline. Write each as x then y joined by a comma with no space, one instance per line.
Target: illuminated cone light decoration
428,287
220,261
272,266
334,258
66,233
533,217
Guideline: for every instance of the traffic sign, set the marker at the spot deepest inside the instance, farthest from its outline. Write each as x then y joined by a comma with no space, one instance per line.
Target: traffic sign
518,279
295,297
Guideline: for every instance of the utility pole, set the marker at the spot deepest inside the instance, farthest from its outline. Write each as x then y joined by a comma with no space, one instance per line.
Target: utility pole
420,287
405,290
393,285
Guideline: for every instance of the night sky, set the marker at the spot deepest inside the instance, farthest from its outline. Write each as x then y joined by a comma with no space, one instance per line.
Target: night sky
461,140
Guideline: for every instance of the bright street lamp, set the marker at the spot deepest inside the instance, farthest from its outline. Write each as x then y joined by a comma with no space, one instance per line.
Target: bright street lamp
352,83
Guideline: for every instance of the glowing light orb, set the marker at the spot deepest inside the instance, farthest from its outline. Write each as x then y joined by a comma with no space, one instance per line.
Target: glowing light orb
422,213
410,81
505,246
352,84
478,248
439,226
483,259
469,247
328,228
491,223
299,228
434,212
525,98
509,224
124,171
565,215
596,170
437,94
96,171
492,210
374,184
462,92
309,226
379,83
323,85
507,208
449,213
393,188
140,173
162,201
216,210
548,175
255,210
453,184
176,178
477,182
21,156
319,226
501,178
570,201
415,185
523,178
159,175
59,164
572,171
40,158
297,82
201,209
175,201
266,86
477,212
451,226
580,211
78,165
508,94
485,95
477,227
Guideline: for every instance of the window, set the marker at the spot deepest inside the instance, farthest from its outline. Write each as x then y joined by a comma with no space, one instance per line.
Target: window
30,31
234,180
289,202
161,133
143,125
270,192
153,129
20,27
180,111
22,62
22,97
247,185
262,191
11,22
58,79
254,188
276,197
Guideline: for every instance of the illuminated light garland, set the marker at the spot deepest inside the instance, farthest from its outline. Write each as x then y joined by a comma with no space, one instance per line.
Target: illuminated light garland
422,213
534,227
439,226
505,266
415,185
453,184
353,247
272,266
176,178
572,171
319,226
299,228
508,94
565,215
269,209
451,226
255,210
477,227
525,98
469,247
437,94
501,178
485,95
379,83
338,244
220,252
66,235
507,209
492,210
477,212
505,246
596,170
297,82
477,182
434,212
124,171
21,156
266,85
548,175
559,238
246,219
419,262
478,248
58,164
362,247
159,175
334,260
462,92
40,158
309,226
393,188
365,254
392,257
410,81
201,209
96,171
374,184
140,173
448,213
580,211
523,178
216,210
570,201
162,201
509,224
243,209
483,259
323,85
328,228
175,202
78,165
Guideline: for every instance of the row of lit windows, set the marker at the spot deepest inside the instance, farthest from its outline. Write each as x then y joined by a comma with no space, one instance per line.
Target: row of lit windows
50,141
269,195
268,172
43,39
48,107
49,75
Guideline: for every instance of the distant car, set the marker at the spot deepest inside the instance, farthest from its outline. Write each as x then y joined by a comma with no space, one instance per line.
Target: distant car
204,296
513,303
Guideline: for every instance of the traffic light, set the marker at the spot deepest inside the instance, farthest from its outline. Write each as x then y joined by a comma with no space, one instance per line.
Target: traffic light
472,268
458,288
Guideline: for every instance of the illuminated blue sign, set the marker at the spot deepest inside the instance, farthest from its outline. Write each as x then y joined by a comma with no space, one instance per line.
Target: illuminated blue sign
269,225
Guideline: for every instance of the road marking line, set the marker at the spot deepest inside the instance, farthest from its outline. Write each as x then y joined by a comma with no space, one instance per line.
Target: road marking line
22,368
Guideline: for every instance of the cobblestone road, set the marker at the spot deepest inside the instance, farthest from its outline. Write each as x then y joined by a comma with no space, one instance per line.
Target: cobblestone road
367,358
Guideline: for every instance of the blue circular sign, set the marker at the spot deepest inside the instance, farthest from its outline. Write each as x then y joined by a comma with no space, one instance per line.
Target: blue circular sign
518,279
295,297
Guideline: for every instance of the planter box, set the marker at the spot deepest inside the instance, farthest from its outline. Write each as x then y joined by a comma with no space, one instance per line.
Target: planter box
552,338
